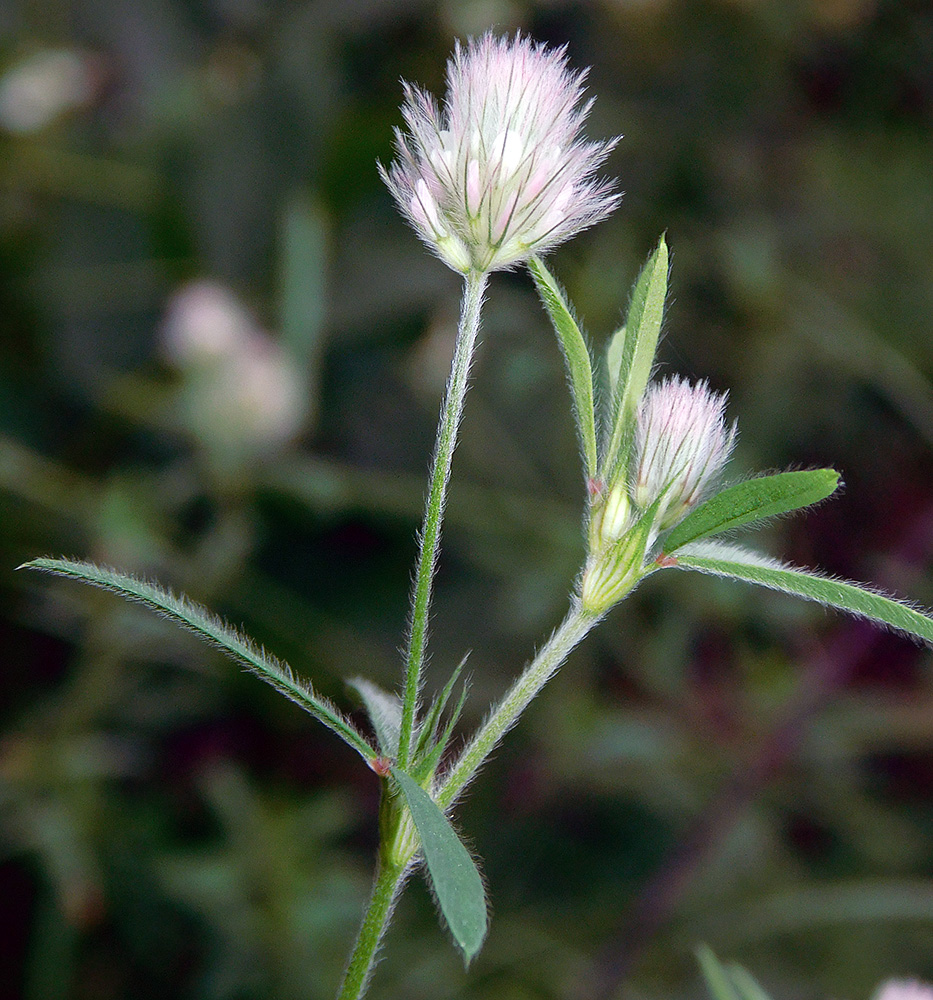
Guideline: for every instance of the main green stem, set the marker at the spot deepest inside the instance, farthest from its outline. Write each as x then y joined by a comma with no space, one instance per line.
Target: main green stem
388,883
567,635
474,286
399,842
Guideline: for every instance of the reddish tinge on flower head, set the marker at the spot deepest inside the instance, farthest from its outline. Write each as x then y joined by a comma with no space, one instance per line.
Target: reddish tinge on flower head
681,445
501,172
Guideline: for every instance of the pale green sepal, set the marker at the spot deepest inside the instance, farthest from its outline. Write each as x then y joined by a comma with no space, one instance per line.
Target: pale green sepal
612,572
730,982
633,358
720,559
384,711
453,874
753,500
208,626
576,355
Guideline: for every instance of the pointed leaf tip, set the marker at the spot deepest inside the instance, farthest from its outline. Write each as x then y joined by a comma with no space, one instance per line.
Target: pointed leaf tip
753,500
720,559
631,356
458,887
576,356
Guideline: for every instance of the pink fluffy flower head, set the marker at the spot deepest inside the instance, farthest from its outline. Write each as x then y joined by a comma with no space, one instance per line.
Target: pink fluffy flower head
681,445
499,173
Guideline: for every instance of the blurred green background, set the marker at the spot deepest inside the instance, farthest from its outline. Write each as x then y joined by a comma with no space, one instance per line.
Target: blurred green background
221,359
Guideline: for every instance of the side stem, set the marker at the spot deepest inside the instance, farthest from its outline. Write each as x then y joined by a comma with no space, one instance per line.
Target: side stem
567,635
474,286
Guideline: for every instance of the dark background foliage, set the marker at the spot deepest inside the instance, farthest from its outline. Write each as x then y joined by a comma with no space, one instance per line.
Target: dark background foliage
714,764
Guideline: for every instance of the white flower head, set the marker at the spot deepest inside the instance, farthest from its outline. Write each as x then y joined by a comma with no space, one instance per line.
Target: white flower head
500,172
681,445
241,390
904,989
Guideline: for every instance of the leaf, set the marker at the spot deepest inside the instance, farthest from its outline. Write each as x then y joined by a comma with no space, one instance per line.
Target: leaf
384,711
614,354
427,735
719,559
302,286
714,972
453,874
753,500
427,764
748,987
631,354
576,356
730,982
208,626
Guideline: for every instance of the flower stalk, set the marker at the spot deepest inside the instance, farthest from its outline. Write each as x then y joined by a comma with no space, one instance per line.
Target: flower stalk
451,412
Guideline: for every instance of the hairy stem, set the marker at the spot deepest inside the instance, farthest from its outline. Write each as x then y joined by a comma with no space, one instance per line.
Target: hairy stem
475,284
388,883
398,845
568,634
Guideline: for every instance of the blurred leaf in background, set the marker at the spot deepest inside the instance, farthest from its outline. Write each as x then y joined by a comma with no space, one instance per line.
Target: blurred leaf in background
733,768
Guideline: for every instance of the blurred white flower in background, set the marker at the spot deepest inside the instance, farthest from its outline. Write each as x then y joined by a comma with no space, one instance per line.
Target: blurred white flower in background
45,85
904,989
205,322
241,389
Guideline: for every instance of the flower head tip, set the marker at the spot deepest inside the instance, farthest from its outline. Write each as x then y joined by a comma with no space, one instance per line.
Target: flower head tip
500,172
681,445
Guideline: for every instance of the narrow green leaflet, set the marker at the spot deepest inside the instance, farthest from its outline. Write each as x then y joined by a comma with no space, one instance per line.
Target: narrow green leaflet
717,978
427,764
384,711
207,625
631,357
576,355
720,559
746,984
614,354
456,880
728,982
302,279
432,743
753,500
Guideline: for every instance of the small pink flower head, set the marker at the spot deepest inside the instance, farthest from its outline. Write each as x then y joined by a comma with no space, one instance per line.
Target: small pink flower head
904,989
501,172
681,445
